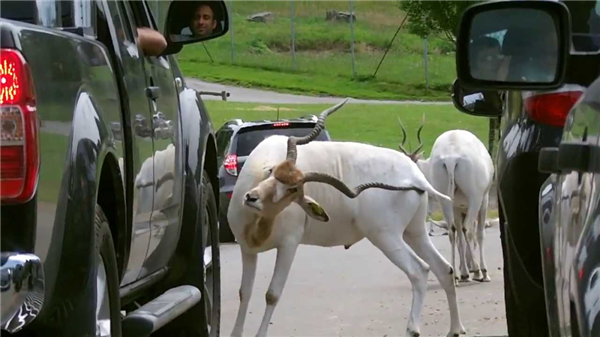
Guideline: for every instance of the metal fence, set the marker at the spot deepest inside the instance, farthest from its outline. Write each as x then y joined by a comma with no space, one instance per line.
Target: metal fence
357,39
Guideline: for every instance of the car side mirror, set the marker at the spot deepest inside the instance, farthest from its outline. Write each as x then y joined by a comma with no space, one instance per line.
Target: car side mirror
485,103
513,45
195,21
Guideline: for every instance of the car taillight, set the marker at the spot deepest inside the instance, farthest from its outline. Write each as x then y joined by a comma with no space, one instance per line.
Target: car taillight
19,143
552,108
230,164
281,124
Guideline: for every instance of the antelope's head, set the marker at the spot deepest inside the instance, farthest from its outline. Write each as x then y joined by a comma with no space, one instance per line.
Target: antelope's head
283,184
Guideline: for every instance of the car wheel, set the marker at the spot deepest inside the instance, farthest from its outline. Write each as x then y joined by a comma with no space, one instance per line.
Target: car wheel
211,292
524,299
202,271
108,315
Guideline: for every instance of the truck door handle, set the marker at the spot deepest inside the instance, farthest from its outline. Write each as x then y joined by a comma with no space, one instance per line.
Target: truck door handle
153,92
578,156
548,160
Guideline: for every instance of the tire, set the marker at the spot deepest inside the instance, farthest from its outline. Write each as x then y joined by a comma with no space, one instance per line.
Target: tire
211,295
107,261
524,299
203,319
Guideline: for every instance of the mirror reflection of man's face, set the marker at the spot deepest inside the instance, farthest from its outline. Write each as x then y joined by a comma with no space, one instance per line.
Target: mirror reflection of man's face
487,63
203,22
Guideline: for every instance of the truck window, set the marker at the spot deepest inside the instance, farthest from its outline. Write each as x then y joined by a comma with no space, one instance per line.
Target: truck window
124,43
24,11
142,16
159,11
51,14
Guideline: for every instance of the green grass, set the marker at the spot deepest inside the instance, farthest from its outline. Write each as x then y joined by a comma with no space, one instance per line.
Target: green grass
313,84
323,58
303,8
372,124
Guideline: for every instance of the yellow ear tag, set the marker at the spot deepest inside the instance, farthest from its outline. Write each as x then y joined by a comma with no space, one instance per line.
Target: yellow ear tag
317,209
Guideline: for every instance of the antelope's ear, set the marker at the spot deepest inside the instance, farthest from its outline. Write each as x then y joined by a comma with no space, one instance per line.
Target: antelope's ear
313,209
267,172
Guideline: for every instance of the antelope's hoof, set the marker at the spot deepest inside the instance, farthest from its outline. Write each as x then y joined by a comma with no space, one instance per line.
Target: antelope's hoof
465,278
478,276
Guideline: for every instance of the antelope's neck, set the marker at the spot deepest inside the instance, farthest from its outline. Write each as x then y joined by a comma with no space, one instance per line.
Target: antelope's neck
258,230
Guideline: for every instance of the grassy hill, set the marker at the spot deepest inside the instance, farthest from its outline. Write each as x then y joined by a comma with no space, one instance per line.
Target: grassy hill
262,53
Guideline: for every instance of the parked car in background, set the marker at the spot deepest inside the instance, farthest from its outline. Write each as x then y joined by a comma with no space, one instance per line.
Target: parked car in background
235,141
108,173
533,111
570,222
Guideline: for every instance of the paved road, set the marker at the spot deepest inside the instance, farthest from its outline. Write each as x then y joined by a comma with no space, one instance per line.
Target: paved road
358,292
240,94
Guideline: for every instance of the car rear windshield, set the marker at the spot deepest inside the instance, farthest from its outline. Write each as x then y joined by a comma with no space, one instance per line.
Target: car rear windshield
248,139
585,21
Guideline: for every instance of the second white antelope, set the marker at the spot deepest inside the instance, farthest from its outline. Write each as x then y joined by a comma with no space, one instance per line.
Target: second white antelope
461,166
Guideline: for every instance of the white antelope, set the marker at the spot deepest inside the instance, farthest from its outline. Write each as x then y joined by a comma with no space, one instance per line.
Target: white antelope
274,185
461,166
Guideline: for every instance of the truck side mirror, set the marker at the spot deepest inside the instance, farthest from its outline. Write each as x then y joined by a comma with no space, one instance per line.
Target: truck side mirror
195,21
513,45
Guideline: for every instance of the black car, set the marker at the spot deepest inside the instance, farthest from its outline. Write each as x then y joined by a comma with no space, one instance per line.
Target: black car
570,222
108,173
533,112
235,141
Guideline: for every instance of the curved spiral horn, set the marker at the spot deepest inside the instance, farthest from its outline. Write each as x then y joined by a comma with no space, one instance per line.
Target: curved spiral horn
353,193
292,153
419,137
414,155
401,145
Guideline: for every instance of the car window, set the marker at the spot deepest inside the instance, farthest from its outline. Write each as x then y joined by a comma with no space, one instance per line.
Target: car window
248,140
585,18
223,138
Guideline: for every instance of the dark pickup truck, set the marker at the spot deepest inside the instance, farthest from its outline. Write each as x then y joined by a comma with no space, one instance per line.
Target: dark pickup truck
108,173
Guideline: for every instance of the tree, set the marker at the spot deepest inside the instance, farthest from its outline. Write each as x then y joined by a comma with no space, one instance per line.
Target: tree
429,18
440,17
